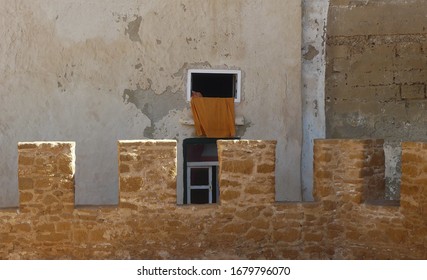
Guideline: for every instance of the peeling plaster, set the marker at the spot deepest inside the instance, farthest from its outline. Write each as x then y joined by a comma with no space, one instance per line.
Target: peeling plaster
132,29
154,106
310,53
241,129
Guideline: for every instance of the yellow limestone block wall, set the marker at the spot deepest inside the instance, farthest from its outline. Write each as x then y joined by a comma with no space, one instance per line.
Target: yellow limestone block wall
348,220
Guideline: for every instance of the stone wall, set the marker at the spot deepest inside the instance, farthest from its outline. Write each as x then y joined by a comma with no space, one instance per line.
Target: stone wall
375,75
348,165
343,222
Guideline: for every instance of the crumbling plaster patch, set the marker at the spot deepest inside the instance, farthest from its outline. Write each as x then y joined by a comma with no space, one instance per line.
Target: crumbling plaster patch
132,29
310,53
155,106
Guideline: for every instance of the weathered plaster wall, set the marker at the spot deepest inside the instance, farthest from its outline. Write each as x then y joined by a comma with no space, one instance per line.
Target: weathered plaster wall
95,72
313,85
376,74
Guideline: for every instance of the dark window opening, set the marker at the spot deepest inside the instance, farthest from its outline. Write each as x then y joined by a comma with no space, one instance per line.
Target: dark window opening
199,176
201,170
214,85
200,196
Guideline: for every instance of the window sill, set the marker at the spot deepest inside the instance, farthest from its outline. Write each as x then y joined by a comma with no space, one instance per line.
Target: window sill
239,120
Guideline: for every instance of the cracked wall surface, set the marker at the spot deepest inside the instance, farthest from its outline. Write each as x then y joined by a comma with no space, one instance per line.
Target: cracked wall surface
375,79
95,72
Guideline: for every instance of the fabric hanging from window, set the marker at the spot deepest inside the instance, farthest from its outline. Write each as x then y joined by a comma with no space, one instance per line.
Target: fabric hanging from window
213,117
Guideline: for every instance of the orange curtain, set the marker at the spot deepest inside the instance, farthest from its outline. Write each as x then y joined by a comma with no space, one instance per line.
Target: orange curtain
213,117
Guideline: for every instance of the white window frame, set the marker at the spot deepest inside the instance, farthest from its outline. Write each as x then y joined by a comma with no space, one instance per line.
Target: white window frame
238,74
208,165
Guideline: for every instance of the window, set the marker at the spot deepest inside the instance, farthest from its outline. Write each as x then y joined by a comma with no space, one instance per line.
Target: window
200,171
201,181
214,83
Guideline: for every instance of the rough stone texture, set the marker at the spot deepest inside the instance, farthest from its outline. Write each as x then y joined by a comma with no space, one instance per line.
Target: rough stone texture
246,171
413,193
98,71
147,173
46,178
246,224
375,74
357,168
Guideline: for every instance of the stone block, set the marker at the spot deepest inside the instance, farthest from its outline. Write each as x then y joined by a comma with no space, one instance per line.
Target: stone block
256,235
228,195
52,237
350,19
376,159
124,156
413,92
323,157
23,227
313,237
340,64
128,205
265,168
26,159
80,236
411,76
248,214
63,226
46,183
323,174
288,235
397,236
238,166
97,235
25,183
341,51
261,223
235,228
45,227
66,169
25,196
124,168
411,170
130,184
